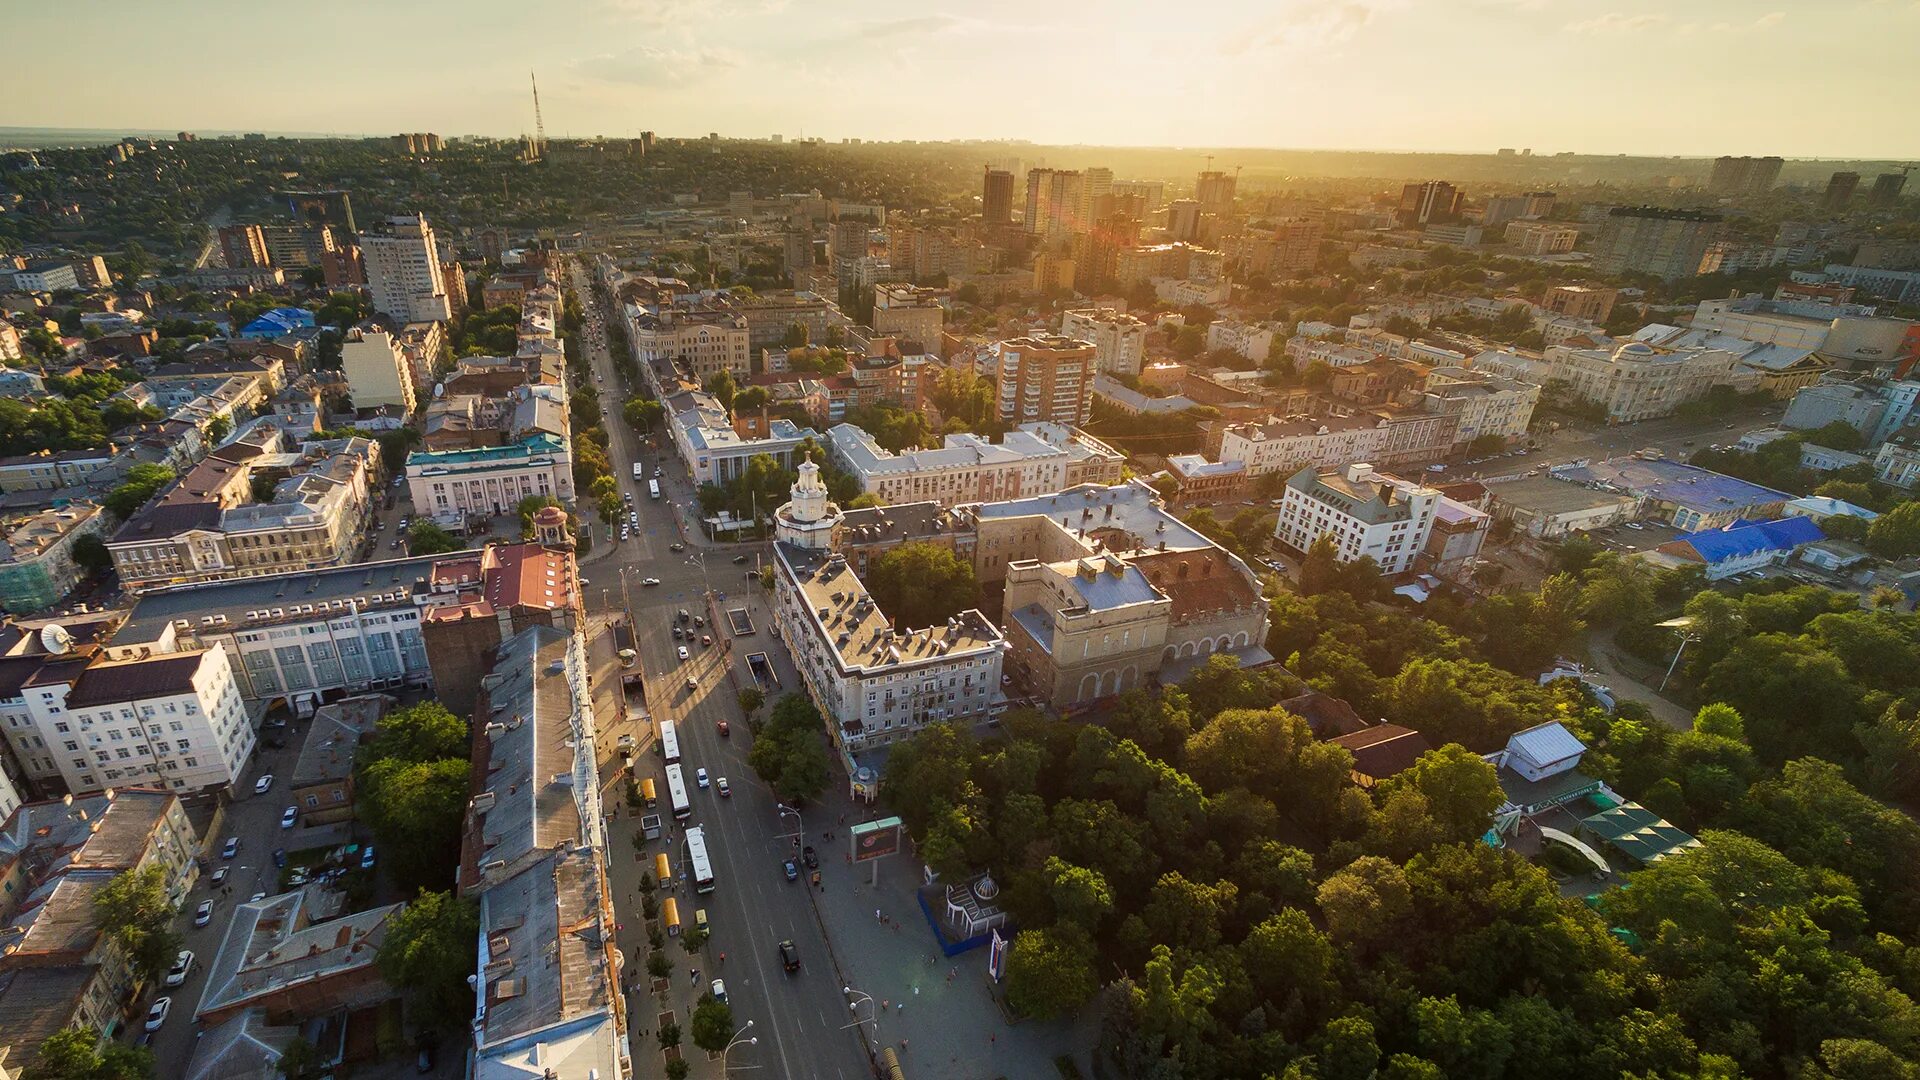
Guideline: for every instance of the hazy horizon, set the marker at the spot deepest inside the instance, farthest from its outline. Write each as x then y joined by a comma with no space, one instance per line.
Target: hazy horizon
1695,79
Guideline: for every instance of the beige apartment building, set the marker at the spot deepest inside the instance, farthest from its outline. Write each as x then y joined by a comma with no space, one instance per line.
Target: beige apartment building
1541,237
908,312
1638,381
1119,340
1590,302
378,370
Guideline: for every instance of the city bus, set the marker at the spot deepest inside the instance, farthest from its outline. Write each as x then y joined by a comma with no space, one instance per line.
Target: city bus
653,489
669,742
697,860
677,794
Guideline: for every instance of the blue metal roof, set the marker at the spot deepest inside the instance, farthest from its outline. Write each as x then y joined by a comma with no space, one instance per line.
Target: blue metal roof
1744,538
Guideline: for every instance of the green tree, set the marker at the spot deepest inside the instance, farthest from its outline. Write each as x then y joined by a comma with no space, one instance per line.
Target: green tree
1050,971
721,385
134,912
300,1060
414,810
643,414
1896,533
1460,789
751,698
430,949
426,731
218,429
78,1053
91,554
918,585
426,538
712,1024
1080,896
1347,1050
141,483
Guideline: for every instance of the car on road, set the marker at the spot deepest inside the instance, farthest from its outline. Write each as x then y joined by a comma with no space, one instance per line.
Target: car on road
693,683
624,534
678,633
157,1015
256,897
792,871
280,857
263,785
203,914
288,816
813,860
789,957
724,729
650,581
720,785
181,965
366,858
297,878
700,777
682,651
719,989
699,620
706,639
219,877
684,617
231,848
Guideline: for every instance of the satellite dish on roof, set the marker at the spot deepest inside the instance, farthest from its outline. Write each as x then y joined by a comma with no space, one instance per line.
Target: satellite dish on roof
55,639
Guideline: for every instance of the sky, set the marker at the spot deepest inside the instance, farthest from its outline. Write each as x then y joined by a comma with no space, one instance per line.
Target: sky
1799,78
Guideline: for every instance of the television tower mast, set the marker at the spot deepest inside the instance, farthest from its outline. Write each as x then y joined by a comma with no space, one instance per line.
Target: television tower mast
539,125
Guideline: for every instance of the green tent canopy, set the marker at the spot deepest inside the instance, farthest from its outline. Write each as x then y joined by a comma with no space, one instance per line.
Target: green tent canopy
1639,833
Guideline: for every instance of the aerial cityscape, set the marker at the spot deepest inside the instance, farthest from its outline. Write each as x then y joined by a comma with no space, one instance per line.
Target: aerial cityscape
1195,567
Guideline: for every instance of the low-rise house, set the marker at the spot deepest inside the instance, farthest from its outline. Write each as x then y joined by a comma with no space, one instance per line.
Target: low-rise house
322,780
1200,480
1548,509
37,566
1688,497
277,956
1741,546
1382,751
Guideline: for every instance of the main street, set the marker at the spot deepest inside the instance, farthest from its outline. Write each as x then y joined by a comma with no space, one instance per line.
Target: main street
798,1018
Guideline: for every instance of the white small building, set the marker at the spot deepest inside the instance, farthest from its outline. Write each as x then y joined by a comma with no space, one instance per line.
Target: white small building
1250,341
1365,513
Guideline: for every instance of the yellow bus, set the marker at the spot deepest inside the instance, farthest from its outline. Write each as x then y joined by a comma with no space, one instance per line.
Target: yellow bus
662,870
670,915
648,792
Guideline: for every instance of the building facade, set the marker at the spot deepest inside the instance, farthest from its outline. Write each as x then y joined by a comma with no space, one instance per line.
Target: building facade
1119,340
1367,514
489,481
37,567
1638,381
1668,244
378,371
1045,377
402,262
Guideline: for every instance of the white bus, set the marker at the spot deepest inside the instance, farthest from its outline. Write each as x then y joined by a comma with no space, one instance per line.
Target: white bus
669,742
653,488
677,794
697,860
638,472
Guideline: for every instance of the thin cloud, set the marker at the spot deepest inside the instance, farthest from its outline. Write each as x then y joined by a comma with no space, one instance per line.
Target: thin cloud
651,66
1770,20
1317,27
1616,23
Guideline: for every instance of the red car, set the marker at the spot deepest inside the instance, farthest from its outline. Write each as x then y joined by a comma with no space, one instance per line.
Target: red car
724,730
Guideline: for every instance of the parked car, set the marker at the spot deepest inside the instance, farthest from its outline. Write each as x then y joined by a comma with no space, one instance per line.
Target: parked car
792,871
720,785
681,651
366,857
651,581
203,914
231,848
219,877
157,1015
263,785
789,957
280,857
256,898
739,560
181,965
676,546
813,860
290,815
724,729
720,990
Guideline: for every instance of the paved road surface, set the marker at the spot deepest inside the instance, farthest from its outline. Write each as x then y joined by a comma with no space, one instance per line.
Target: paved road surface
798,1018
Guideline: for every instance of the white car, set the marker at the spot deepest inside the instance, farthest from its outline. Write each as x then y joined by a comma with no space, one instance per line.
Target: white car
700,777
693,683
624,534
256,898
651,581
720,991
263,785
289,816
181,965
203,914
681,650
157,1015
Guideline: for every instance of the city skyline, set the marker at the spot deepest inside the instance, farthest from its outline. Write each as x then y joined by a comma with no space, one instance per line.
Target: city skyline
1388,75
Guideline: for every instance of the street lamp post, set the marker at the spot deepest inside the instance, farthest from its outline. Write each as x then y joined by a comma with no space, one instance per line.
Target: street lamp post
799,827
1684,627
853,1006
737,1040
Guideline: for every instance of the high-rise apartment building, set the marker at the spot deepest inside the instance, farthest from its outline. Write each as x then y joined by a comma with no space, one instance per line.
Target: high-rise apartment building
1593,303
1152,193
1096,189
1054,200
908,312
377,370
1183,219
243,246
1886,190
1045,377
1743,175
1840,189
1214,192
1501,209
403,270
1424,204
996,197
321,208
1668,244
1119,340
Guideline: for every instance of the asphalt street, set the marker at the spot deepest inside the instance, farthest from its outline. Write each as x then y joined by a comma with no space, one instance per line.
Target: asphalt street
799,1019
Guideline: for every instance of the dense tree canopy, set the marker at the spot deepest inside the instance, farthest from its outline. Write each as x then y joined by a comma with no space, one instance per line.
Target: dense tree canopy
429,952
918,585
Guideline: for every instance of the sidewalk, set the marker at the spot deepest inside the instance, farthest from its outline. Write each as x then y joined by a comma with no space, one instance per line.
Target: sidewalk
942,1007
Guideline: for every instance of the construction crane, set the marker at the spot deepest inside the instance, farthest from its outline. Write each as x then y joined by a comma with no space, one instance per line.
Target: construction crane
539,125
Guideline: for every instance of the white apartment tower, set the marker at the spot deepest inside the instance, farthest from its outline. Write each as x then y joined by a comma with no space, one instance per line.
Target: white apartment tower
377,371
1119,340
403,270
